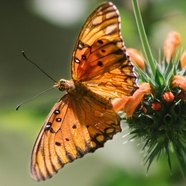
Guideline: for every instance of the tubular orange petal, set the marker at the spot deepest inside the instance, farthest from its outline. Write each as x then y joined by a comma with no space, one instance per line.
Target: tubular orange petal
171,42
179,81
183,59
136,57
129,104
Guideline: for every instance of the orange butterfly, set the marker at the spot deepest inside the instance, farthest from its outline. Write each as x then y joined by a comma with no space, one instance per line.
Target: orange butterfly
84,119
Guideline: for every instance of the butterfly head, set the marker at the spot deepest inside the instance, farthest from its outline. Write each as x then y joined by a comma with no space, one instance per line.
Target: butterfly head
63,84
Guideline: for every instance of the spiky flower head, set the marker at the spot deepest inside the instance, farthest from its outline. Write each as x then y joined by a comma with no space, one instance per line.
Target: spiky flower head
157,110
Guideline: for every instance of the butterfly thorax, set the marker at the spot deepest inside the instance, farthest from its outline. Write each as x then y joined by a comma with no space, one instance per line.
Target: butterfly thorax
65,85
78,90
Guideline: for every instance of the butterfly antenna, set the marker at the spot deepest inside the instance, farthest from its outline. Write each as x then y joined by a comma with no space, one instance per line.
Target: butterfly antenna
23,53
18,106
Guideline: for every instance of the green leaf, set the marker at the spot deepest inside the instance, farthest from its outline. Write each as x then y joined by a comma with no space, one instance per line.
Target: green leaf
159,79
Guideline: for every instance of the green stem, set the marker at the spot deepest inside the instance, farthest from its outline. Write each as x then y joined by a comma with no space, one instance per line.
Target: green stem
181,161
143,37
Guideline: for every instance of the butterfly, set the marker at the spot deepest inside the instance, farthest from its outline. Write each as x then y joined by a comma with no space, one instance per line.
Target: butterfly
84,119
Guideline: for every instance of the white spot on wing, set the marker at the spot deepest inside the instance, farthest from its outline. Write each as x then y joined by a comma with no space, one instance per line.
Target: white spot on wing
97,20
111,28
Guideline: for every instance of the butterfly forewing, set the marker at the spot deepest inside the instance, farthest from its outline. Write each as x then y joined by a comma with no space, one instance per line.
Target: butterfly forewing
99,47
98,24
100,60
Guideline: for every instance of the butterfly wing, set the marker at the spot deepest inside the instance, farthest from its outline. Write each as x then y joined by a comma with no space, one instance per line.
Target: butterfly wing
74,127
57,143
114,84
99,50
99,47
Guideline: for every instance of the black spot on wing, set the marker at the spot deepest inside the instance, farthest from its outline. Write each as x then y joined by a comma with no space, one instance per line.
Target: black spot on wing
84,57
49,127
100,42
58,143
82,45
74,126
76,60
100,64
56,112
58,119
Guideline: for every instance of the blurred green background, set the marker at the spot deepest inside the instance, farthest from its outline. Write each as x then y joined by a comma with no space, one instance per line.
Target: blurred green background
47,31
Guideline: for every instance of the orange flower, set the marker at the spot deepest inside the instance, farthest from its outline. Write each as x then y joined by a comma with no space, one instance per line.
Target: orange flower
129,104
183,59
179,81
136,57
171,42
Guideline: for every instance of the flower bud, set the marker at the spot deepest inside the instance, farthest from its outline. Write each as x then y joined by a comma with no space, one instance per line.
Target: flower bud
168,96
156,106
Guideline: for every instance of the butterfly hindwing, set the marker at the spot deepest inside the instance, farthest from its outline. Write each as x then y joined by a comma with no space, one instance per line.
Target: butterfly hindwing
100,119
69,133
61,140
100,59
